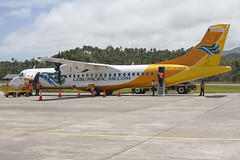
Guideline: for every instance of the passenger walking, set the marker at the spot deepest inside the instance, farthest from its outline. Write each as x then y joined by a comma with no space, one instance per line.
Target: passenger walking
153,87
202,88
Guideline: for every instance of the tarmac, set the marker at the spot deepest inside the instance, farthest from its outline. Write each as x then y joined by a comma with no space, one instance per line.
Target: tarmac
130,127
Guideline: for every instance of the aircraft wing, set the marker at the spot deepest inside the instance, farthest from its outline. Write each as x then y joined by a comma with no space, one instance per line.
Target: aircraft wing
77,67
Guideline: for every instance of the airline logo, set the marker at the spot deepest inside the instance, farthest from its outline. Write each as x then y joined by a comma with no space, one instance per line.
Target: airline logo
210,50
52,78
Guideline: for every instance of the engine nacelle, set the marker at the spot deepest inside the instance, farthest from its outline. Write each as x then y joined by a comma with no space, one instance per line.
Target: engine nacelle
66,69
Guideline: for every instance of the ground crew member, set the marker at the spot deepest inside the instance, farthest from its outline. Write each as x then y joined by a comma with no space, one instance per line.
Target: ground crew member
30,86
37,88
160,77
202,88
153,87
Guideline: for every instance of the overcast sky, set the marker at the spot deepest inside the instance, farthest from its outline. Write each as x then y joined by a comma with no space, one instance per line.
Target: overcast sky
33,28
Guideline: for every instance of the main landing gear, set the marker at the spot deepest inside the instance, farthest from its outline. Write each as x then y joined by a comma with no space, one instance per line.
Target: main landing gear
97,92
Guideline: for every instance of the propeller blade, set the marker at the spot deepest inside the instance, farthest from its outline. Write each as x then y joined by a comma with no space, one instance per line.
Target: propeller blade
59,78
58,69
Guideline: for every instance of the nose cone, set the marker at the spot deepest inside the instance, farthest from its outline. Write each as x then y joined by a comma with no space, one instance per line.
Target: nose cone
11,83
15,83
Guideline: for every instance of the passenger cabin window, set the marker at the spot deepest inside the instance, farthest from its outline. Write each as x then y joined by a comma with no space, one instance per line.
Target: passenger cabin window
114,74
138,74
142,73
96,75
124,74
110,75
70,76
82,75
133,74
119,74
147,73
151,73
91,75
78,75
86,75
105,75
129,74
74,76
100,75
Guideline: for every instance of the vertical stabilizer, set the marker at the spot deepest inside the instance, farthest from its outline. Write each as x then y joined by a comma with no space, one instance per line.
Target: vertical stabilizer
208,52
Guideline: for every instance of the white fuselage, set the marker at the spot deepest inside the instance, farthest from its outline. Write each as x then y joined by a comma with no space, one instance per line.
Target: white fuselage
49,79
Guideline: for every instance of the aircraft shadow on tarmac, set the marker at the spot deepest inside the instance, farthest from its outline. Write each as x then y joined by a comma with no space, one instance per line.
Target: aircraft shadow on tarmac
65,97
216,96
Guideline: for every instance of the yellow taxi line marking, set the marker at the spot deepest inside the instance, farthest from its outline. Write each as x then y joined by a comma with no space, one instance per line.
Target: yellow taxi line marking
120,136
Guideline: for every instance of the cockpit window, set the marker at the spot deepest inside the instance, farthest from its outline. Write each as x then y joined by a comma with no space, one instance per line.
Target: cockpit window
21,74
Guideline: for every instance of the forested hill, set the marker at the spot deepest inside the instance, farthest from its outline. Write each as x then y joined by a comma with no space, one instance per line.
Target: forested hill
119,55
231,56
108,55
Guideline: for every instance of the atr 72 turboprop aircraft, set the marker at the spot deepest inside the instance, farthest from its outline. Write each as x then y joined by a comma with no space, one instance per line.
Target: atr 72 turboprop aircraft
201,61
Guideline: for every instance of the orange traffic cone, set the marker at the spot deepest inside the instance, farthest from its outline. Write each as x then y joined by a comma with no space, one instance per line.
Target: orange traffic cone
104,94
119,94
59,95
40,96
93,94
78,94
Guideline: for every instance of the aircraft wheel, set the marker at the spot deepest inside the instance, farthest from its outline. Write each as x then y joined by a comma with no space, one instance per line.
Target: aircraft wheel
109,93
137,90
182,90
96,92
143,92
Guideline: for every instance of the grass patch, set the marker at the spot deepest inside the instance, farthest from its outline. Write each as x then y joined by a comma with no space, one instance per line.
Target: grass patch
222,82
221,89
216,89
125,90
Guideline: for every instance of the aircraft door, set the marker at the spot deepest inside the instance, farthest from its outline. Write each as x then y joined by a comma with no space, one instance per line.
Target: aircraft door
36,79
161,81
32,76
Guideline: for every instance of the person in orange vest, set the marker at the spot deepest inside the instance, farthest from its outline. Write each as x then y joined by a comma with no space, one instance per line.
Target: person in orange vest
160,77
37,88
153,87
30,87
202,88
